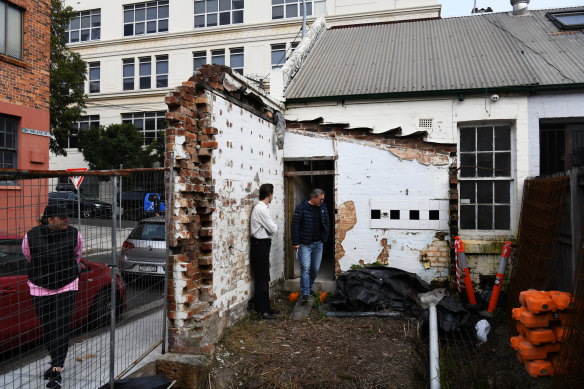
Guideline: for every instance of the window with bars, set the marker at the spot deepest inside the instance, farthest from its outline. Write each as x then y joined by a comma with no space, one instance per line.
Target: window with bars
199,59
146,18
85,26
94,77
148,123
11,31
485,177
278,55
8,143
210,13
561,146
84,124
236,59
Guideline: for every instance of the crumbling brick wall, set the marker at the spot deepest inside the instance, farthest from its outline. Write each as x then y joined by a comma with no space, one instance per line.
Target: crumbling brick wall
221,136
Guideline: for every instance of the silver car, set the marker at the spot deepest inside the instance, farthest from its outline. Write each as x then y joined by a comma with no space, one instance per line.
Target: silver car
144,251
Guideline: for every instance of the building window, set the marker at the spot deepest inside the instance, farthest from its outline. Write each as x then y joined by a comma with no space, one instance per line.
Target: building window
148,123
278,55
568,20
209,13
199,59
283,9
162,71
236,59
11,30
561,146
83,124
8,142
94,75
218,57
128,73
145,73
485,177
145,18
85,26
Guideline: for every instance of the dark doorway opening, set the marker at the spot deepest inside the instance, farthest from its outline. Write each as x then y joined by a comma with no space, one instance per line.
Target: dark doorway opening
302,176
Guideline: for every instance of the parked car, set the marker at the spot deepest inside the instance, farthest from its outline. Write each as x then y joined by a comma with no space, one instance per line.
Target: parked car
90,207
66,187
19,323
144,251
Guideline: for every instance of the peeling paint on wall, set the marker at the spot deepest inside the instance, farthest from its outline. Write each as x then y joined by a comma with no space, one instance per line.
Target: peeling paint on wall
346,220
383,257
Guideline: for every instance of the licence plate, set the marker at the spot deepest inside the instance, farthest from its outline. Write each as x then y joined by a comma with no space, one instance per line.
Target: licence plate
151,269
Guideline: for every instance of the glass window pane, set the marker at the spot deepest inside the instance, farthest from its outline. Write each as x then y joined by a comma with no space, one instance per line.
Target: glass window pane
96,20
74,36
199,7
225,18
503,138
96,33
94,87
237,17
199,21
129,16
85,22
278,12
485,138
485,192
145,83
274,2
145,68
162,81
94,72
128,29
140,15
467,165
502,192
3,32
467,139
211,20
75,23
139,29
485,217
218,59
503,164
467,192
308,9
291,10
212,6
150,125
151,13
224,5
163,12
163,25
151,27
128,69
502,217
14,25
162,65
84,35
237,4
485,165
128,83
467,217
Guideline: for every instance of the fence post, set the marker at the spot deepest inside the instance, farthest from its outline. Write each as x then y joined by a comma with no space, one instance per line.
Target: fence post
113,287
167,214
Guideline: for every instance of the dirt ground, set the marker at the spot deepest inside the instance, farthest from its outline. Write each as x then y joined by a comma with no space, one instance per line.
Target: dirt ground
359,353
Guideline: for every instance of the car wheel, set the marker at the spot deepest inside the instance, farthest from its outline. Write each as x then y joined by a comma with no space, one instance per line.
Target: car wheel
86,213
100,312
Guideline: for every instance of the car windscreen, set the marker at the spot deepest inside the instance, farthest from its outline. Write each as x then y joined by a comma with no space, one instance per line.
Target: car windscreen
56,195
153,231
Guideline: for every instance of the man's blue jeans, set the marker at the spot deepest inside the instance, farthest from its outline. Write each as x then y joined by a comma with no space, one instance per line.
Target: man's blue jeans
310,256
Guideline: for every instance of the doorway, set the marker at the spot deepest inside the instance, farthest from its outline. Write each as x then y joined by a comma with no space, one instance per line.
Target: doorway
302,175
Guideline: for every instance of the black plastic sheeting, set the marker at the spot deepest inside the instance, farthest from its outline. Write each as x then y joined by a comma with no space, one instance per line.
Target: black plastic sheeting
151,382
378,288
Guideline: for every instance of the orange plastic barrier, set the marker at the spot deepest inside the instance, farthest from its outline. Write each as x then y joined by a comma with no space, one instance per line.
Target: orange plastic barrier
539,368
531,320
559,332
517,312
523,295
560,299
538,336
529,352
521,329
540,302
515,340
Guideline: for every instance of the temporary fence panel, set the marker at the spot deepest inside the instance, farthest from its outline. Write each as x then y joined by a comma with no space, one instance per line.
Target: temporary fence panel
62,281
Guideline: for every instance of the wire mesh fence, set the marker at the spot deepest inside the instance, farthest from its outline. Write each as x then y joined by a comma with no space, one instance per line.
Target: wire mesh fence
82,275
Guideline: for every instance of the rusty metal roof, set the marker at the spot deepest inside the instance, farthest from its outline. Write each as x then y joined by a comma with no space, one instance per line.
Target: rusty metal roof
473,52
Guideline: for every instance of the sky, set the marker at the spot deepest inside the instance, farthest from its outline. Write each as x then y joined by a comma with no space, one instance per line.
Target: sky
463,7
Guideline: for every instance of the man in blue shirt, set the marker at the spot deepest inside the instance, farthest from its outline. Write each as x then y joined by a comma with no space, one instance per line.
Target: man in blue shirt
310,230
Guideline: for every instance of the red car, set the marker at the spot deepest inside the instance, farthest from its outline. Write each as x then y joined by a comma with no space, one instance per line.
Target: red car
19,323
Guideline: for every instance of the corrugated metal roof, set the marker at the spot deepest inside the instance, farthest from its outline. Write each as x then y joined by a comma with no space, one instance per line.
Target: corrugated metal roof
472,52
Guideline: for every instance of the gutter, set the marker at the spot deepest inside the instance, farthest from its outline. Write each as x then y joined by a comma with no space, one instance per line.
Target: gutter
532,89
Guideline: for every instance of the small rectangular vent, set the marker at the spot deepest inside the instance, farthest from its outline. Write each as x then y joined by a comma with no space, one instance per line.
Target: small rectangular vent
425,123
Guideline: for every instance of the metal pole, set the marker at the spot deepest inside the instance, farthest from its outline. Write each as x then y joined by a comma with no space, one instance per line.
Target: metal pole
168,208
79,208
120,200
304,18
113,288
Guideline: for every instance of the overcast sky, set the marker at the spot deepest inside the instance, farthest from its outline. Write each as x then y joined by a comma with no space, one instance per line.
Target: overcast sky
463,7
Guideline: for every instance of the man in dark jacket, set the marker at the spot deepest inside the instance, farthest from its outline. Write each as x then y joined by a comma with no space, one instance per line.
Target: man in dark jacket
310,230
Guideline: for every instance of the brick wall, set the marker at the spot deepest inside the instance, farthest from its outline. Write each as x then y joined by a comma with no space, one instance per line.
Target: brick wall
217,171
26,82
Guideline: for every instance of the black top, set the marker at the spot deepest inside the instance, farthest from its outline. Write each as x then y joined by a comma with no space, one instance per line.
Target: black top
316,228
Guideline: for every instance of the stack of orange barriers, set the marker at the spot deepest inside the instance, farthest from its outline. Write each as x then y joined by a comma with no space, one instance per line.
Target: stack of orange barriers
541,321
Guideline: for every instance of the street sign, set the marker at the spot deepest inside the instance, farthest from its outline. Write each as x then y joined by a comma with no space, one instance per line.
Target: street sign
76,180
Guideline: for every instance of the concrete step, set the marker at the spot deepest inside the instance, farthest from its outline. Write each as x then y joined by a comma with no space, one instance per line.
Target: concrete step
328,286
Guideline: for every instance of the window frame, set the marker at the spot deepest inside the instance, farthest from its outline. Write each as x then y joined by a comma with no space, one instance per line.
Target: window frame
91,13
511,178
161,78
237,51
571,132
218,14
161,23
129,63
277,47
91,120
199,55
10,149
556,18
4,24
94,82
218,53
287,5
143,116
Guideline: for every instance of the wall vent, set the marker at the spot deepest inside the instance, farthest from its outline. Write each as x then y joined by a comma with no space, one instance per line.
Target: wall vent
425,123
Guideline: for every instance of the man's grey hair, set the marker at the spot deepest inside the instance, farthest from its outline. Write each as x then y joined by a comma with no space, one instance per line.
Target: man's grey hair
316,193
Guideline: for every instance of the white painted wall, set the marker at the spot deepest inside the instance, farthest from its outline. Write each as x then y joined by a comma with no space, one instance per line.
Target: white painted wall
244,160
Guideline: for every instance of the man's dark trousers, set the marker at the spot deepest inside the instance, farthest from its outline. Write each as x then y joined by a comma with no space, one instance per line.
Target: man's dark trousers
260,264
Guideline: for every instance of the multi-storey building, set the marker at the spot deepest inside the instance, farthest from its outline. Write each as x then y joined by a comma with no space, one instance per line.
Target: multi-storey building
24,103
137,51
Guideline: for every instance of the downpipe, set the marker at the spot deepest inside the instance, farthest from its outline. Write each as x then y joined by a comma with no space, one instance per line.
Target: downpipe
429,301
